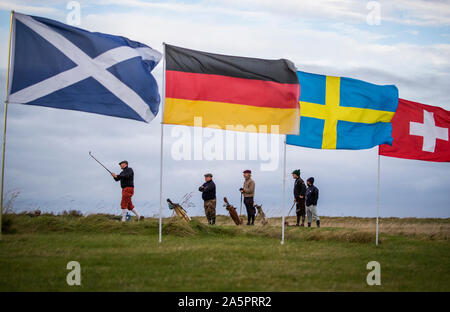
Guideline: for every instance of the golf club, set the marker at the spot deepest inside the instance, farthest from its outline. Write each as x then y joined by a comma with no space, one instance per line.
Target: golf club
240,208
291,209
90,154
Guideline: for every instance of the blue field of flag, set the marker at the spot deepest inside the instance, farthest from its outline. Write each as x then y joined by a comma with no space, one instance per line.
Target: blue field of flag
60,66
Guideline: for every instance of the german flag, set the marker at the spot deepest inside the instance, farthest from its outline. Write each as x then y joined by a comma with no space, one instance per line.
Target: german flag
230,92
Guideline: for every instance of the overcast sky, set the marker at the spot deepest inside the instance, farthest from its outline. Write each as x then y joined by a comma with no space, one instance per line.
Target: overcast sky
47,149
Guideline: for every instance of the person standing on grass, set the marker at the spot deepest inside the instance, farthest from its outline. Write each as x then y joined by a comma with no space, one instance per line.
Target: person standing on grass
312,196
248,190
299,196
208,190
126,178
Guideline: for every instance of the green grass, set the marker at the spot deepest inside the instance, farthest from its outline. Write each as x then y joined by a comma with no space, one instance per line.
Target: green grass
196,257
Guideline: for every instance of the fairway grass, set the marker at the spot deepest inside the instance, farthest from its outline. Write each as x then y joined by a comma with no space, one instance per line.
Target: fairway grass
196,257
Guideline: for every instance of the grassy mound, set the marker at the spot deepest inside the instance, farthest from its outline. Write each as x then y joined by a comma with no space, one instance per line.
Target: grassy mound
98,223
313,234
348,230
178,227
350,236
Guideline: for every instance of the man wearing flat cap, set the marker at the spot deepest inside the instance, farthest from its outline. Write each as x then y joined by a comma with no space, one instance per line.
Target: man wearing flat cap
299,196
248,190
126,178
208,190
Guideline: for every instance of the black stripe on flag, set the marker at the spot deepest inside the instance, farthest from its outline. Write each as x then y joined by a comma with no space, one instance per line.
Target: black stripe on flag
192,61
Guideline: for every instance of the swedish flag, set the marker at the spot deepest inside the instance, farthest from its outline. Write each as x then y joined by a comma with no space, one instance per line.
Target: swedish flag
344,113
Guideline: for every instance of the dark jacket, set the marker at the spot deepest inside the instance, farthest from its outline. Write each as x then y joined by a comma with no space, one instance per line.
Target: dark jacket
299,188
126,178
208,190
312,195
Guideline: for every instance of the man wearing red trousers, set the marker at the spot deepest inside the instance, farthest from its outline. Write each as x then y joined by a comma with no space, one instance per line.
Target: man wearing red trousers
126,178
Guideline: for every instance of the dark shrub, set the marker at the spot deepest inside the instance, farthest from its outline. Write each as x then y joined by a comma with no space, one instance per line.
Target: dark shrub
7,224
72,213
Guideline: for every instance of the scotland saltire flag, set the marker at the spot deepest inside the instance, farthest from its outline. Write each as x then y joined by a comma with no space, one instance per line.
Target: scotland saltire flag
61,66
344,113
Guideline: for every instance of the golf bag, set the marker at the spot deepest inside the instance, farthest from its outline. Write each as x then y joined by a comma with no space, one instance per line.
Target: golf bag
178,210
232,210
262,214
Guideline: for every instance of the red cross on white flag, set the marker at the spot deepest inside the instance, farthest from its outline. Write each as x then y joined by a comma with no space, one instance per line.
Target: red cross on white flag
420,132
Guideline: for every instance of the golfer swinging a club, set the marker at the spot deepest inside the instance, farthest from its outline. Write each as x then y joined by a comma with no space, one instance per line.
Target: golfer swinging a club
126,178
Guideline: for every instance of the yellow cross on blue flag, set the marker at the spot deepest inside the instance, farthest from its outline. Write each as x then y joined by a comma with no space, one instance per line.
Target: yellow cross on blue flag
344,113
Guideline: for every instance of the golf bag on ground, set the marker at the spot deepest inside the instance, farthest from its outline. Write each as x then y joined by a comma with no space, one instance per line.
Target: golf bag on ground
178,210
233,213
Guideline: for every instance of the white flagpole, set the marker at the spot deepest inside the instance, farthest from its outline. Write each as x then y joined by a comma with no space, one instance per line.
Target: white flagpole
284,191
4,125
378,199
161,200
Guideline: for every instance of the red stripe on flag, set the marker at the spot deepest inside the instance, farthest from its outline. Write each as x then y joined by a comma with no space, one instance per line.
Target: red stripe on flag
216,88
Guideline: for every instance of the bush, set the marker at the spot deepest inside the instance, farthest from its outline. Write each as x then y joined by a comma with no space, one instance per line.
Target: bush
7,224
72,213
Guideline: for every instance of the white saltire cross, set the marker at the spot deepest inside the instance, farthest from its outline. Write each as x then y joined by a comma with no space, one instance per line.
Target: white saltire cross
86,67
429,131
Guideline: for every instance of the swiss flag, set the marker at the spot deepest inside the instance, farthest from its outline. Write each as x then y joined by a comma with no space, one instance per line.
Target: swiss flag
420,132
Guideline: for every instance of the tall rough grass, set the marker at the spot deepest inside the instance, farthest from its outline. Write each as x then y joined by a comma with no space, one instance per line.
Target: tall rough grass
352,230
8,210
102,224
